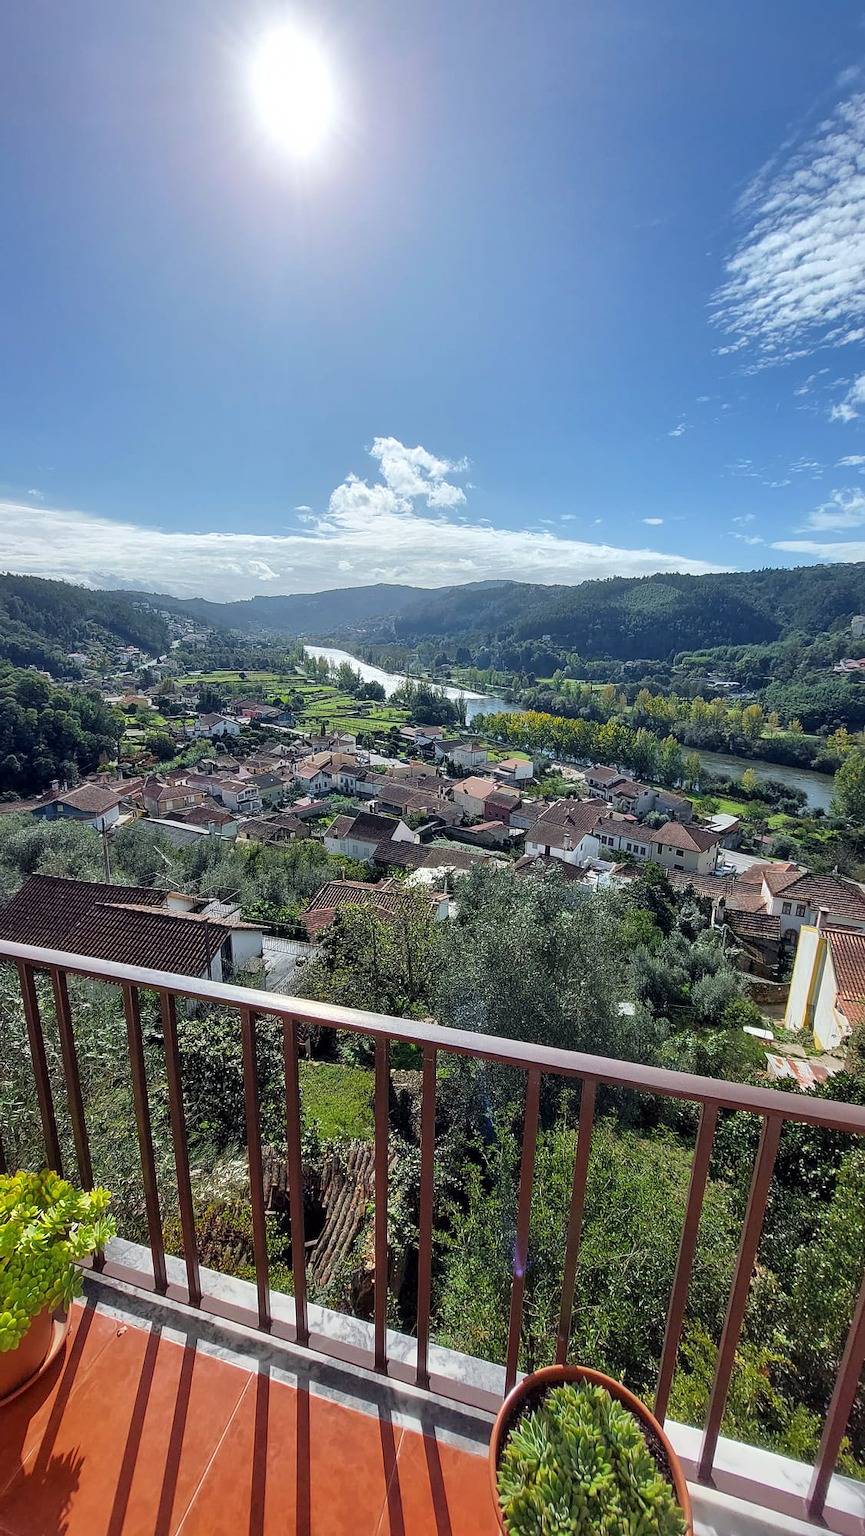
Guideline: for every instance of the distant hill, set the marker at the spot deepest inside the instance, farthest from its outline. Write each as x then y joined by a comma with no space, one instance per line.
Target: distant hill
40,621
626,618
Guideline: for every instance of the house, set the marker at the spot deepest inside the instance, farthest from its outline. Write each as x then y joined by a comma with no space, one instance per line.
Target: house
136,924
273,829
238,795
798,897
162,797
471,795
566,831
827,988
212,817
485,834
358,837
677,846
270,787
502,803
465,754
623,836
253,709
728,827
601,778
630,796
99,807
390,900
514,770
210,726
674,807
327,771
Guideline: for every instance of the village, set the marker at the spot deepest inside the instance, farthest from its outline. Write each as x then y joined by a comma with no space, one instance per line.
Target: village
412,808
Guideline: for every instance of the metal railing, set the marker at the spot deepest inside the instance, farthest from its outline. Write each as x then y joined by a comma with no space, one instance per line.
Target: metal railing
773,1108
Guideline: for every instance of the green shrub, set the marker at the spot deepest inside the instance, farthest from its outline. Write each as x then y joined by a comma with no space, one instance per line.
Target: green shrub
45,1226
579,1463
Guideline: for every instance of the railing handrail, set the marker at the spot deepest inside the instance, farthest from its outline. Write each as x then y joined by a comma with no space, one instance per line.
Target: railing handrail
524,1055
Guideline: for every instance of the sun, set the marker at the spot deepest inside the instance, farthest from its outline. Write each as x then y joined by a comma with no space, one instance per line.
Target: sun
293,90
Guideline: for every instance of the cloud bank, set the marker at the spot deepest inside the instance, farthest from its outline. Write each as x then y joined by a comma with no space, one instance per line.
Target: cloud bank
797,277
406,525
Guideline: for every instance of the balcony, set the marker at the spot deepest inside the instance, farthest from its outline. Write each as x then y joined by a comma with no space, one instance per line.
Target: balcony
189,1400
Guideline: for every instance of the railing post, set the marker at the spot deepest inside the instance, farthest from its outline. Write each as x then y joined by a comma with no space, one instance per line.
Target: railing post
73,1081
575,1215
36,1042
844,1392
181,1149
382,1094
685,1260
145,1134
751,1231
253,1152
427,1177
524,1211
295,1177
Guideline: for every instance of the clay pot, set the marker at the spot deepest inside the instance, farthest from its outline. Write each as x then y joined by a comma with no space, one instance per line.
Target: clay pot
528,1393
18,1366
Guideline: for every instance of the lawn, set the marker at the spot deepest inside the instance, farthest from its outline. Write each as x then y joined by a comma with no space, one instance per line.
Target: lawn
339,1098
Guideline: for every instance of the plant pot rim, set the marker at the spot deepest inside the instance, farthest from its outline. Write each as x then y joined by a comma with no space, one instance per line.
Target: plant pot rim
542,1381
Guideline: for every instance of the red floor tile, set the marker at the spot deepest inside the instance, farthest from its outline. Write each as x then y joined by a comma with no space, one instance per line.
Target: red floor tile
124,1453
293,1464
24,1421
438,1491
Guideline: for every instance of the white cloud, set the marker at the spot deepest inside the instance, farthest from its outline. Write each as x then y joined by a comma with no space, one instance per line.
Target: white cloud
745,517
37,495
680,430
393,529
748,538
851,406
796,279
303,507
653,522
844,509
851,461
815,551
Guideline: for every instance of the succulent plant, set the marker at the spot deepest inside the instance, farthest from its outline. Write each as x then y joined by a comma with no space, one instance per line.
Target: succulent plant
579,1463
45,1226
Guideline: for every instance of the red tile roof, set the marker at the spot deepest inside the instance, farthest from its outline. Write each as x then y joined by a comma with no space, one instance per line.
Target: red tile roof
676,834
848,962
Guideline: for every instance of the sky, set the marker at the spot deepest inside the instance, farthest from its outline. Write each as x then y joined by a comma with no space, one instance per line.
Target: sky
566,290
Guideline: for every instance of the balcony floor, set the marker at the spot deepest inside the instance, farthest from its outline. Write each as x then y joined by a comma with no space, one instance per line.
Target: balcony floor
153,1422
133,1434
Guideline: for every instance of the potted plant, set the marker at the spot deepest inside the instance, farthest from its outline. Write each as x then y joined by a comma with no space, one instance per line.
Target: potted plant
573,1451
46,1226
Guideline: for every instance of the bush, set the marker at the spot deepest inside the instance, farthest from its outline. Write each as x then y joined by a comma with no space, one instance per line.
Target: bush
45,1226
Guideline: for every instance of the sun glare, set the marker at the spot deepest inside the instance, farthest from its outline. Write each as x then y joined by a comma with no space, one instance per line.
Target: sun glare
293,90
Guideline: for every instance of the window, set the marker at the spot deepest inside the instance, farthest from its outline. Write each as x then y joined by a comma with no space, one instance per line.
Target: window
787,908
800,909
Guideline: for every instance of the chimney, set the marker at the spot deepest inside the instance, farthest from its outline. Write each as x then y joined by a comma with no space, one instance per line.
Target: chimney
822,919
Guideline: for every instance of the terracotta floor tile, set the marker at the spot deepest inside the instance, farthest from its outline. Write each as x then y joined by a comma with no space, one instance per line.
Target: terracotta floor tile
438,1491
123,1455
295,1465
24,1421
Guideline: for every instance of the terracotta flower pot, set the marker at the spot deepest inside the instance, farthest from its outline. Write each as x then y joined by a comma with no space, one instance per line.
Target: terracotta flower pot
528,1393
20,1366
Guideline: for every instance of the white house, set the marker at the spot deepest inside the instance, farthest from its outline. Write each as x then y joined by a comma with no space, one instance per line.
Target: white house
566,831
797,898
470,795
514,770
358,837
677,846
325,771
827,988
92,803
210,726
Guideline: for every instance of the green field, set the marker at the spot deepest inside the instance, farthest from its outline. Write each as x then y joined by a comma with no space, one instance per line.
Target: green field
321,701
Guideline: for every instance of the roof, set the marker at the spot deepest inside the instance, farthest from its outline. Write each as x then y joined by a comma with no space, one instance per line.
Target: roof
93,799
777,878
848,962
400,855
675,834
366,827
603,775
479,788
755,925
629,787
201,815
386,900
110,922
576,816
212,719
617,826
267,780
505,796
838,896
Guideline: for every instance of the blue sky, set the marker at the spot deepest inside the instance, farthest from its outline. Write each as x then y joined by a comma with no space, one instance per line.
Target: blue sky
570,290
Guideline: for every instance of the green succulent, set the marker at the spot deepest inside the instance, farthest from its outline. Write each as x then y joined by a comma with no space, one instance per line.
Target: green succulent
45,1226
579,1465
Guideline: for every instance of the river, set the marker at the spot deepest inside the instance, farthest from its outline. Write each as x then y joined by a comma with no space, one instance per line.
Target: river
816,786
476,703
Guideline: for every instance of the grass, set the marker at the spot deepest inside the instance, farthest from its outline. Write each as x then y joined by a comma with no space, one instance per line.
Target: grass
339,1098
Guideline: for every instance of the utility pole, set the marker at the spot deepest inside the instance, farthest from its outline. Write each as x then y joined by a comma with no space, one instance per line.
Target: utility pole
106,859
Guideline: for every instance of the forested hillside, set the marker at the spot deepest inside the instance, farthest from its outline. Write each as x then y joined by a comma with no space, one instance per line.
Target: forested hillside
40,621
50,733
626,618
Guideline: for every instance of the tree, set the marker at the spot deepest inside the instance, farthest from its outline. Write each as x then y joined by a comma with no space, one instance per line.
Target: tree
849,795
749,783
